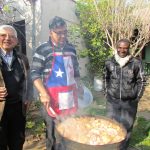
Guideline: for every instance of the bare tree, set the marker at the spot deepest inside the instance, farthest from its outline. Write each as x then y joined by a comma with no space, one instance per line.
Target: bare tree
11,10
125,19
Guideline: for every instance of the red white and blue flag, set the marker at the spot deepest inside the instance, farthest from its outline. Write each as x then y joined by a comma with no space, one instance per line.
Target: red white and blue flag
61,86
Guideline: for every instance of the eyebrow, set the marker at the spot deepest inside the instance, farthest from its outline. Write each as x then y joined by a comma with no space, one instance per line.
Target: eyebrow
3,34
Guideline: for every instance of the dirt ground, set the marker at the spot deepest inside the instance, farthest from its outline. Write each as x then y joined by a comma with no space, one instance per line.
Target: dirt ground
38,143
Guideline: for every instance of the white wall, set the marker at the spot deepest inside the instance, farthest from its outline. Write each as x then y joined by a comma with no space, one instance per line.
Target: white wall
51,8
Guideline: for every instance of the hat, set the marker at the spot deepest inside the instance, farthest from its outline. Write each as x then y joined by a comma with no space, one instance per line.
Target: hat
56,22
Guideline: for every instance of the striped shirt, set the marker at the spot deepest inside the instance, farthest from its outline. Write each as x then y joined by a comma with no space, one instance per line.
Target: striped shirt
7,57
43,57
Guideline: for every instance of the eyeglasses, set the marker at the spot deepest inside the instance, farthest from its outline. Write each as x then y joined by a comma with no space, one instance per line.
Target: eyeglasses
10,36
60,33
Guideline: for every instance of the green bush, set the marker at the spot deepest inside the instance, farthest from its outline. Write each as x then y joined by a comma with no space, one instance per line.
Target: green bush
141,134
93,36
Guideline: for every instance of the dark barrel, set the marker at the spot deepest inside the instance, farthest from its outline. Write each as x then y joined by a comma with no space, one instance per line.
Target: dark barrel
73,145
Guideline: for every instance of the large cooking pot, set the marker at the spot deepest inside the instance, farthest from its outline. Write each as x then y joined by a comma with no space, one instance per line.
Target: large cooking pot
73,144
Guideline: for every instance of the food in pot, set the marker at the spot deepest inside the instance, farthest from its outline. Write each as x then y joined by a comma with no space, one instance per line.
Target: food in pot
92,130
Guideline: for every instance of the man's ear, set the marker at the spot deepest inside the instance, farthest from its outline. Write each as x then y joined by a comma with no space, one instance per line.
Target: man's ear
50,32
17,41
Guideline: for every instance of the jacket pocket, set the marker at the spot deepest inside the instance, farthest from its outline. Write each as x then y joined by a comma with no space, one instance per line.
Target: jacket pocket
113,90
129,92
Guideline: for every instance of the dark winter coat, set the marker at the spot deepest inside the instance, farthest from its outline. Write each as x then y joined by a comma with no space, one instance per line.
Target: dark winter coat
26,92
124,83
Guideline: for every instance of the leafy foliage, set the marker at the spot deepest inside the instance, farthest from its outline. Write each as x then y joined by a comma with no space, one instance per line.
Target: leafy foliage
93,37
35,123
117,19
141,134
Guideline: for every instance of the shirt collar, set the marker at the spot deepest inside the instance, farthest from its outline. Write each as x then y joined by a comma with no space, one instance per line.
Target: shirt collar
61,46
4,53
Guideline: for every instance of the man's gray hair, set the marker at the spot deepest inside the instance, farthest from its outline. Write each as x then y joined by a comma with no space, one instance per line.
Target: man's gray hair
123,41
9,27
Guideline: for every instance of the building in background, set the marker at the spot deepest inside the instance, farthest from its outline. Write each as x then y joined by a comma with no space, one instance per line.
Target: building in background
31,19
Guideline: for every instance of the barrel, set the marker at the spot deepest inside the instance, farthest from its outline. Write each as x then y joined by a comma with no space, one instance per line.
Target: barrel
69,144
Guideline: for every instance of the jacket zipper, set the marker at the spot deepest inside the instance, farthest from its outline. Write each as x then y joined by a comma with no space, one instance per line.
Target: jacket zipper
120,83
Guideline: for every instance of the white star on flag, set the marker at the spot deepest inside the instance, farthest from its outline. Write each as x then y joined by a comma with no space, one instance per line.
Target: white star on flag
59,73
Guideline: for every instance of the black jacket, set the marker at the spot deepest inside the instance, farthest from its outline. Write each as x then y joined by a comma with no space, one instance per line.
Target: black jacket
26,90
126,83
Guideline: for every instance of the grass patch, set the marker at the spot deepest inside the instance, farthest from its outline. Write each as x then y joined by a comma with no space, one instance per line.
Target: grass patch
95,111
36,127
35,124
141,134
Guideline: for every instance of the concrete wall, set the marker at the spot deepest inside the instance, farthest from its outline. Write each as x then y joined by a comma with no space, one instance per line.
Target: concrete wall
51,8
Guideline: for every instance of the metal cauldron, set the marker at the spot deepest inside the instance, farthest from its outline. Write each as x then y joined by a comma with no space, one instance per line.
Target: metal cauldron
73,145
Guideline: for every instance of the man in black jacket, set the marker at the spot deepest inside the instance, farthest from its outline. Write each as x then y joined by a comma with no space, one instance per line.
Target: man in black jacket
15,91
124,78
